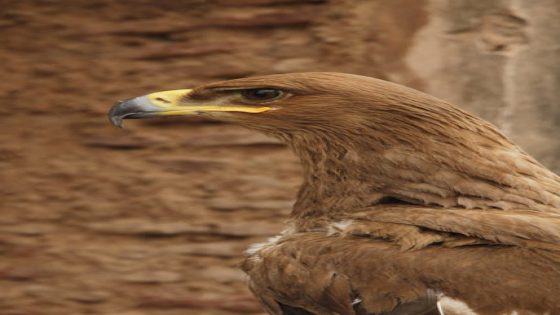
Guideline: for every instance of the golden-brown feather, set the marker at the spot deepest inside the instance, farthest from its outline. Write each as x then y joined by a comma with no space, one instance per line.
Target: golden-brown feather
490,279
362,139
478,220
482,222
408,205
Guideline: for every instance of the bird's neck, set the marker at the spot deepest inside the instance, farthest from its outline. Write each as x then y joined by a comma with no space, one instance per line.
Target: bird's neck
335,180
342,176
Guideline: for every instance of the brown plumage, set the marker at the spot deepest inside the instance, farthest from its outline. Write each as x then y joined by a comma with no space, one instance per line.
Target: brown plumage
409,205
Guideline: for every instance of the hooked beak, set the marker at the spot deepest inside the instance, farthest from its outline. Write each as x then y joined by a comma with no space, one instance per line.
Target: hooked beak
169,103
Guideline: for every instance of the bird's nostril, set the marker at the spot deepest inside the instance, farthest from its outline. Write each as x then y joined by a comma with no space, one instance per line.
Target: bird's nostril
162,100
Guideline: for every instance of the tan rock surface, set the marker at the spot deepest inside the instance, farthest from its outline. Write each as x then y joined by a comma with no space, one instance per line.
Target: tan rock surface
148,220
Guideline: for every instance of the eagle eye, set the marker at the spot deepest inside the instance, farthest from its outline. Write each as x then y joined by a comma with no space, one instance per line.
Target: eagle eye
263,94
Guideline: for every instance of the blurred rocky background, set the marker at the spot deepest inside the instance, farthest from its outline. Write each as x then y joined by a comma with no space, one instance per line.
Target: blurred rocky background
153,219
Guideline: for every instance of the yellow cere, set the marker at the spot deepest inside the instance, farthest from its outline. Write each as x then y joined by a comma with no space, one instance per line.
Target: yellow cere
169,101
167,98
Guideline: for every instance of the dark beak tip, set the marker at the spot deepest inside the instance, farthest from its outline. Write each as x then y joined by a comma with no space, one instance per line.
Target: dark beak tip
115,116
133,108
117,123
122,110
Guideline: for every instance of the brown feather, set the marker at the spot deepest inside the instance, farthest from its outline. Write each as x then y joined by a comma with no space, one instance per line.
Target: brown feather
361,139
490,279
408,204
404,195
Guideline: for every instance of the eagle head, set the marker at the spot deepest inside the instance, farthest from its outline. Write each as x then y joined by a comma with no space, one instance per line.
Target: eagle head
362,141
327,104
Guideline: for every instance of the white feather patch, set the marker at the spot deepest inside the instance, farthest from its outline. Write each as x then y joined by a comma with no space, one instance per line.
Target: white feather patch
254,248
453,306
338,227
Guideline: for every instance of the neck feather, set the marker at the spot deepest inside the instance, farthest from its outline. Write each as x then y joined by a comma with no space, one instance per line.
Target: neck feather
473,168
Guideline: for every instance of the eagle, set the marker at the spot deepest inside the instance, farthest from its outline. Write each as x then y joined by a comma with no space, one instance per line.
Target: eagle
409,205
